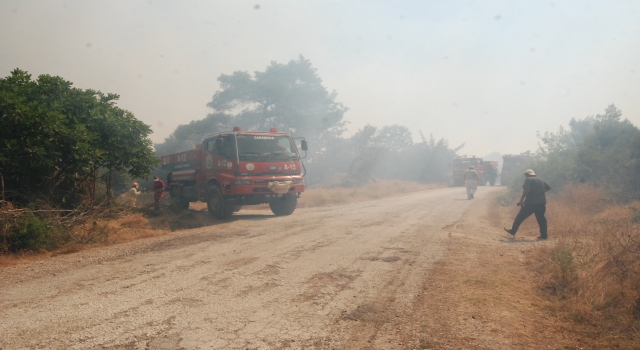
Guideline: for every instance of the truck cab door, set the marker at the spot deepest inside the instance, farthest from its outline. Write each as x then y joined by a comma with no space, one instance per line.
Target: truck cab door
211,156
221,155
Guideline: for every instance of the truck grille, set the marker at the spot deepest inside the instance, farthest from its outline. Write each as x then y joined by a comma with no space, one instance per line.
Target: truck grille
270,174
266,190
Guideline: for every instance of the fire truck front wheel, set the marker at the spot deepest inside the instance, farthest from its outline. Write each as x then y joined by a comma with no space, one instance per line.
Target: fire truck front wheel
217,205
284,205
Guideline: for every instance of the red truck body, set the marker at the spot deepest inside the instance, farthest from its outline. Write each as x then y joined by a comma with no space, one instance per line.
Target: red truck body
231,169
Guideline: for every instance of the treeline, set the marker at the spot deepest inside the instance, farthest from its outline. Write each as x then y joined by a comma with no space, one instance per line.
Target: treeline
291,98
601,150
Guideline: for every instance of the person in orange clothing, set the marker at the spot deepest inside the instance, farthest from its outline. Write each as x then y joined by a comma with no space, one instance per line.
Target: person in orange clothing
133,194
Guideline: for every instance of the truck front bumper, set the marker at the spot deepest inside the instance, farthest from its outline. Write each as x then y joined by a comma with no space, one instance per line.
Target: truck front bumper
245,187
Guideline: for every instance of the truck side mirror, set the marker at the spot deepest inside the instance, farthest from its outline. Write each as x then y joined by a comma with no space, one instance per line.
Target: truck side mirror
303,144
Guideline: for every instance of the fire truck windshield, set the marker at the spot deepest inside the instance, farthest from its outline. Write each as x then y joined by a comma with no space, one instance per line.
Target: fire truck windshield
265,148
466,162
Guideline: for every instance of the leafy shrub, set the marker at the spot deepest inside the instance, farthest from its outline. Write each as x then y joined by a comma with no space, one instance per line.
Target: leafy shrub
562,257
29,232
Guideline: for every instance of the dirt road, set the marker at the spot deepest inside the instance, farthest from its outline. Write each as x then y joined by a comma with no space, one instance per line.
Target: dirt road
336,277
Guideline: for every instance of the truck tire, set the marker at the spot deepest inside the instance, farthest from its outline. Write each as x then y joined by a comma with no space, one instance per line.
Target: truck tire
284,205
178,202
217,205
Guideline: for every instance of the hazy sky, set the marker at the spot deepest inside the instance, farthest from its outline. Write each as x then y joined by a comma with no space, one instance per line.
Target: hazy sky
488,73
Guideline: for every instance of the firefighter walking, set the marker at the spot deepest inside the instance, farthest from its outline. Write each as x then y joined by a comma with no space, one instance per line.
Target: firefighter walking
470,180
532,201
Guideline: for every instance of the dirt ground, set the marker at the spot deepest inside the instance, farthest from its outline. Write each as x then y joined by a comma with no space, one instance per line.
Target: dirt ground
428,270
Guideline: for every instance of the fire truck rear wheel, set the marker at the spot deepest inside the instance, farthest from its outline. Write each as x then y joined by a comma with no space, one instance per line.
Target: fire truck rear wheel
217,205
284,205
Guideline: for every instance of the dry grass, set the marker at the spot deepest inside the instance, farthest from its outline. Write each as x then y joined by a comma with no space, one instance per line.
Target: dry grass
591,272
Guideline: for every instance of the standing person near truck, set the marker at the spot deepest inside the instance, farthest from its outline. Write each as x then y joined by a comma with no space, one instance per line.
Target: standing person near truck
158,191
470,180
532,201
133,194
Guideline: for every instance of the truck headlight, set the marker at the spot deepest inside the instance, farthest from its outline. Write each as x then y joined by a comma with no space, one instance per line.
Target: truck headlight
242,182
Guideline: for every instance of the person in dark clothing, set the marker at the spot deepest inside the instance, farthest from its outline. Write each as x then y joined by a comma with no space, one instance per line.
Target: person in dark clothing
532,201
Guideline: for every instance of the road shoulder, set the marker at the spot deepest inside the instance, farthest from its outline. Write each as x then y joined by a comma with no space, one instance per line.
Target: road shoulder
483,294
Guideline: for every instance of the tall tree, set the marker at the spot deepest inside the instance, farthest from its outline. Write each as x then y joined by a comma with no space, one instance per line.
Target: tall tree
289,97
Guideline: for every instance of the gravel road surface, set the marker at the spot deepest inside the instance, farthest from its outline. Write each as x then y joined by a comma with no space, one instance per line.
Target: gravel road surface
328,277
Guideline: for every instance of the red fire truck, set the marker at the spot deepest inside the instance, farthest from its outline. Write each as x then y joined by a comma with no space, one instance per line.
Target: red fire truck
461,164
235,168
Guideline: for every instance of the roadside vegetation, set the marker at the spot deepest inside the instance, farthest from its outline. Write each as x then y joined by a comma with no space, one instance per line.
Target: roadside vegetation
590,270
60,148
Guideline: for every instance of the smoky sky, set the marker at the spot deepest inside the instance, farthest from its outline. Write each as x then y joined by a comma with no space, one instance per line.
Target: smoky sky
487,73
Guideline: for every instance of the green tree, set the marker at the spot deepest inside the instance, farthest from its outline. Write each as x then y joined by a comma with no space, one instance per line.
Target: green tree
606,156
434,159
368,144
54,137
289,97
390,153
602,150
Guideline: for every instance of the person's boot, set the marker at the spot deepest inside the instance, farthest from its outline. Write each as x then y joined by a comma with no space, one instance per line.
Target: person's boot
510,231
